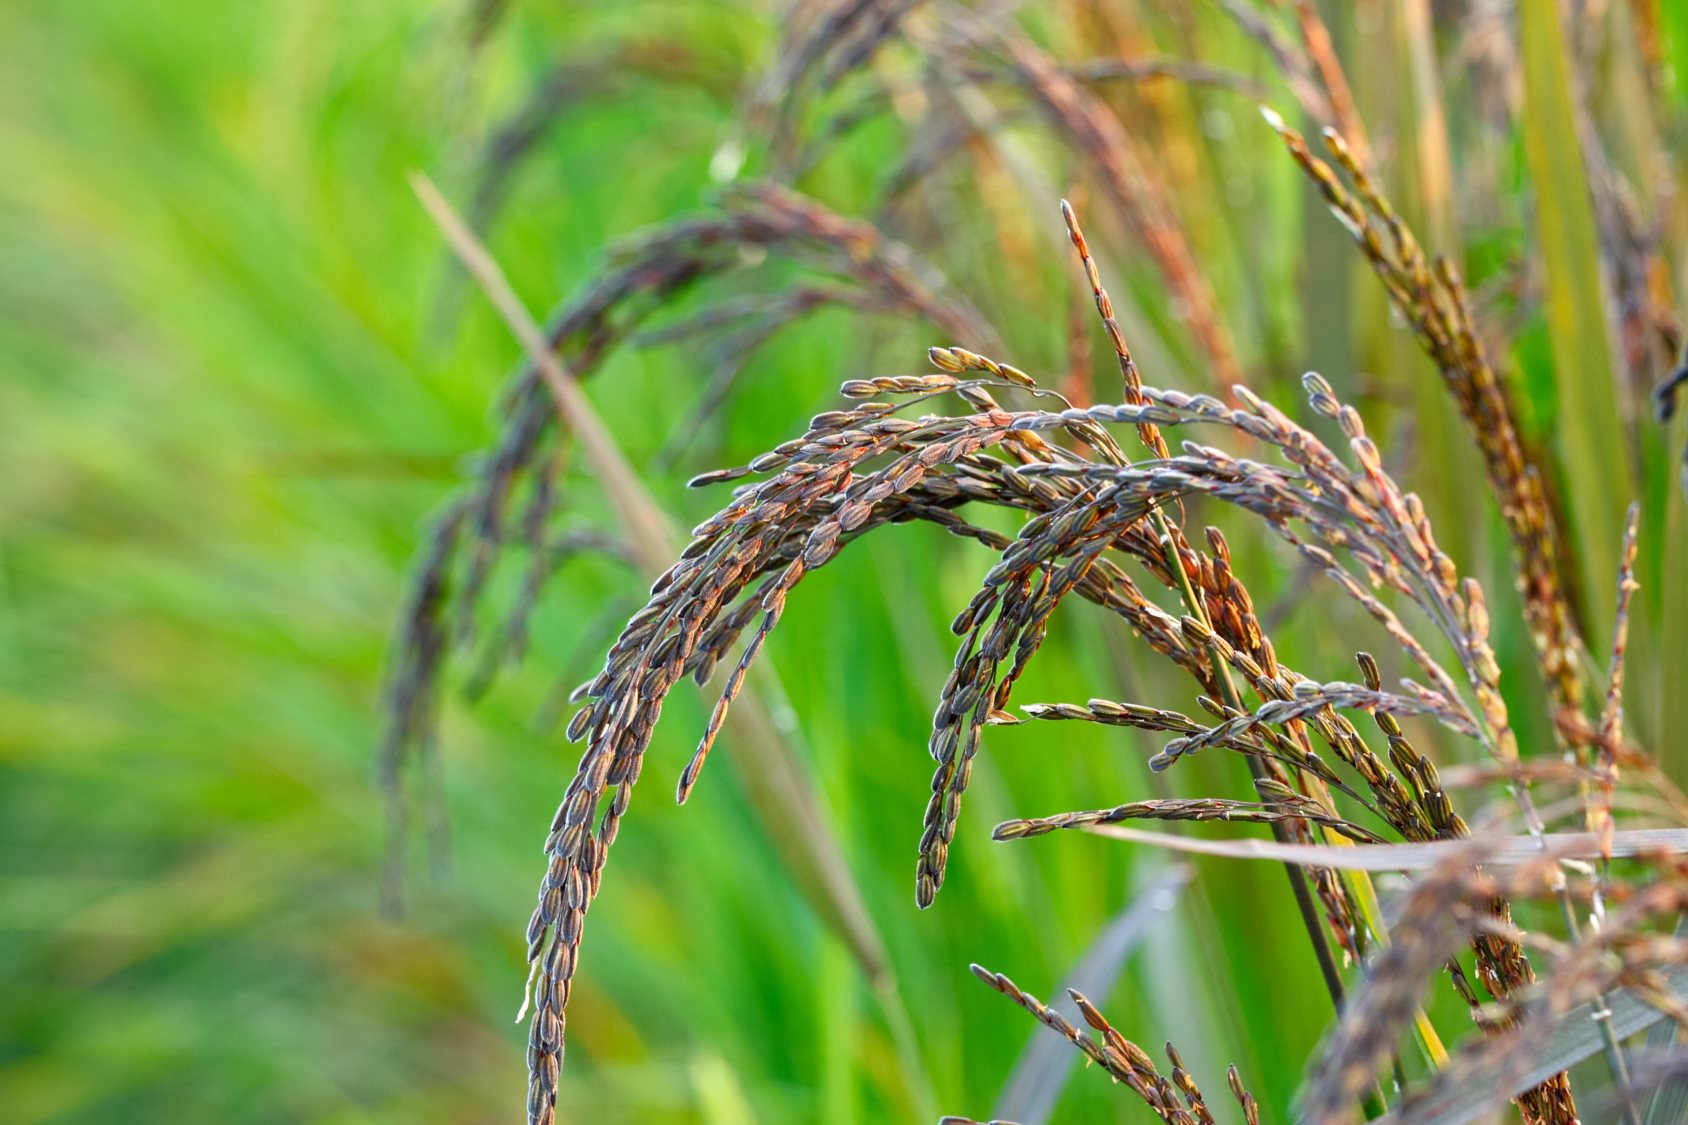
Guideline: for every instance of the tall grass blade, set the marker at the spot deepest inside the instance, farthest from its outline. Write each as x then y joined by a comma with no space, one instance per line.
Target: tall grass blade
1597,476
1669,1102
1459,1096
1509,851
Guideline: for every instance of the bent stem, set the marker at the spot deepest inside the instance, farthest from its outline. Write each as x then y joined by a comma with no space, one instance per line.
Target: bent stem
776,783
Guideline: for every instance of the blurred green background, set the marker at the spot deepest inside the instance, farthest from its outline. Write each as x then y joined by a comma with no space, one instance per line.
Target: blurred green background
237,373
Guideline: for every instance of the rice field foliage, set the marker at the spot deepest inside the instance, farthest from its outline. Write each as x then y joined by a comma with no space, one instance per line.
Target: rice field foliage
303,554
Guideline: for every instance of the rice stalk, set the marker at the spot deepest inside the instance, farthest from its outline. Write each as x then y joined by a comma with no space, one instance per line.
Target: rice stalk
1175,1097
1088,519
1432,299
839,900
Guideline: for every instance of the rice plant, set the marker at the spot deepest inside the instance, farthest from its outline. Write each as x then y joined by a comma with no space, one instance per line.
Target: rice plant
1093,496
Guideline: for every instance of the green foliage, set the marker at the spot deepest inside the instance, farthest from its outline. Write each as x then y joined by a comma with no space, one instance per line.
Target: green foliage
238,373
